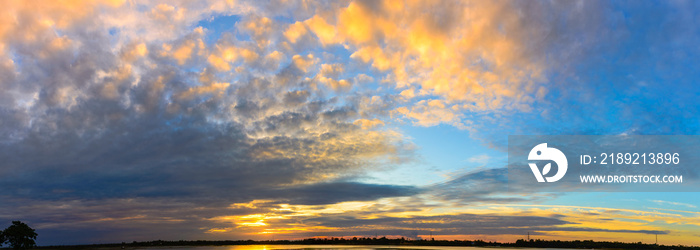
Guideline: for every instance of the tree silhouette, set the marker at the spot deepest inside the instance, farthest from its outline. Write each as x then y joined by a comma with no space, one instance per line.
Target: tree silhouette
19,235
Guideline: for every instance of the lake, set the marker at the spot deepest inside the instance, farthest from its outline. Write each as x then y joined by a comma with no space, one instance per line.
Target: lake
323,247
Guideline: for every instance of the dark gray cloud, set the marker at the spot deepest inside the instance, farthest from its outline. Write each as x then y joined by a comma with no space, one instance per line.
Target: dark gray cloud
458,224
489,185
325,193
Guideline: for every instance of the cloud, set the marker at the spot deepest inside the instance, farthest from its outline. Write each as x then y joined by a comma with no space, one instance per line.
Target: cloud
108,123
217,88
184,50
325,32
368,124
673,203
480,159
406,217
503,62
478,59
431,113
483,185
295,31
330,74
459,224
329,193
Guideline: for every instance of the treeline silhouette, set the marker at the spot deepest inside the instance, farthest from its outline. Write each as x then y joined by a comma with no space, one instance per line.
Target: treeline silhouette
588,244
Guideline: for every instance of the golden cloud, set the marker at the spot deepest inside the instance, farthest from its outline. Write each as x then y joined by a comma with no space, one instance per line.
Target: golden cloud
473,55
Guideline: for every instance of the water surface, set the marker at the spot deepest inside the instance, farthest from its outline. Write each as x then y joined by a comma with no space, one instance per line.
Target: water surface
326,247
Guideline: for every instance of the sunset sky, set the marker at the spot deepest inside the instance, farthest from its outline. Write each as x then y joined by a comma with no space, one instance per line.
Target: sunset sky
131,120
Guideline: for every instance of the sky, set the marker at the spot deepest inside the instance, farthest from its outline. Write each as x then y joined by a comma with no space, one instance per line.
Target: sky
146,120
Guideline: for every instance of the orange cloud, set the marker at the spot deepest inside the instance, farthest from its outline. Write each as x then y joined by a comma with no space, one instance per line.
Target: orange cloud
472,55
325,32
295,31
217,89
303,62
368,124
432,112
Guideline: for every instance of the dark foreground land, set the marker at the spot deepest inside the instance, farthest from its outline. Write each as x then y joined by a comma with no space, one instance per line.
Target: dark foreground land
587,244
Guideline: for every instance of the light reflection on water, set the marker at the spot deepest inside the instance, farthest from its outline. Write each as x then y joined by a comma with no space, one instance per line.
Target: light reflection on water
325,247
